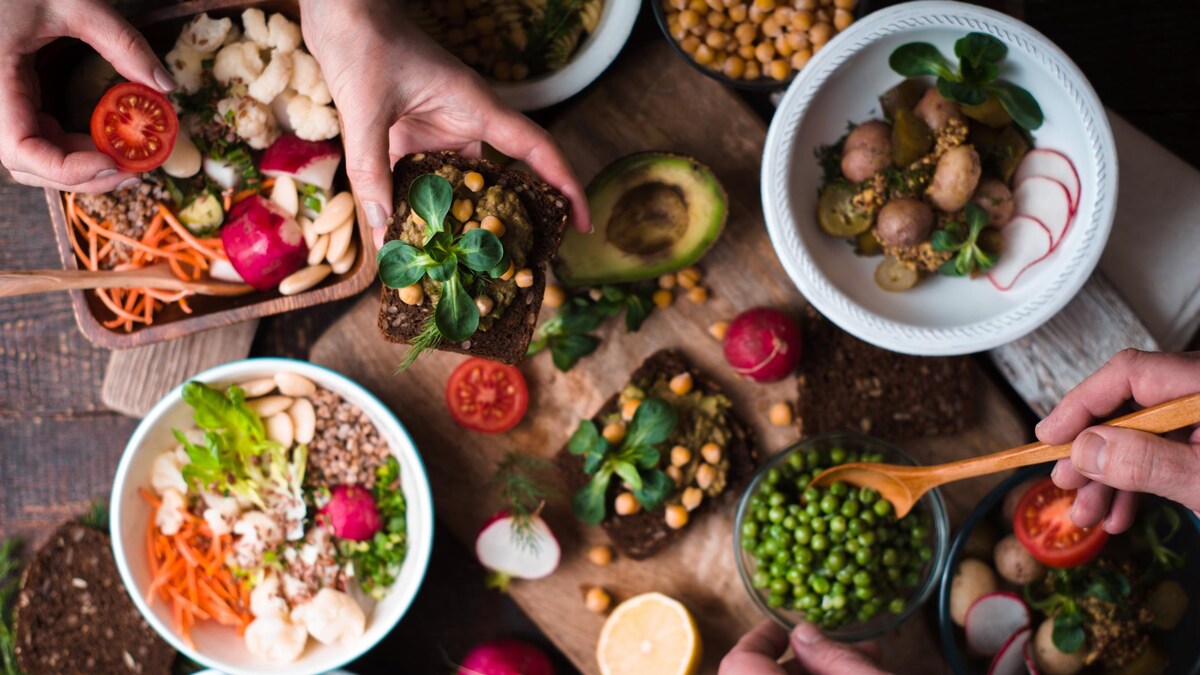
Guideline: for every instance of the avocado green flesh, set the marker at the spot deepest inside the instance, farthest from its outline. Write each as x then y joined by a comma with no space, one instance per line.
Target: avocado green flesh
652,214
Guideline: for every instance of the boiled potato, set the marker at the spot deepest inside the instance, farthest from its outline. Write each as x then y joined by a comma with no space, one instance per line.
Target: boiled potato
904,222
868,150
955,179
993,196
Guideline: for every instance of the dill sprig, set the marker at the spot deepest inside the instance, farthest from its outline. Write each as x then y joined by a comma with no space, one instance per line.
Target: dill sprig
10,568
428,339
521,481
97,516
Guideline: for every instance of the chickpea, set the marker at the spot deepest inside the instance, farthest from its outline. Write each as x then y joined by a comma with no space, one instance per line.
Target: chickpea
823,14
629,408
845,4
681,384
779,69
470,225
473,180
688,277
666,281
771,27
600,555
718,330
520,71
802,20
508,273
676,516
678,32
698,295
597,600
716,39
614,433
715,5
675,473
412,295
698,6
780,414
764,52
703,55
485,305
753,70
493,224
524,278
711,452
662,298
738,12
680,455
596,294
797,40
745,33
746,53
691,498
842,19
783,15
554,296
764,5
689,19
801,58
734,67
626,504
820,33
783,48
757,14
690,44
705,475
679,4
715,20
809,5
417,220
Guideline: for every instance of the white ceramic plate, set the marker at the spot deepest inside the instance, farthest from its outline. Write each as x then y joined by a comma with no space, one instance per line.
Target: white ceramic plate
597,51
941,315
217,646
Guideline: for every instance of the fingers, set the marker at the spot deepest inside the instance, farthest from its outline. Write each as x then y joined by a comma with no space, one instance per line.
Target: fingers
99,25
106,183
1091,504
1066,477
757,652
821,656
1120,516
368,163
1133,460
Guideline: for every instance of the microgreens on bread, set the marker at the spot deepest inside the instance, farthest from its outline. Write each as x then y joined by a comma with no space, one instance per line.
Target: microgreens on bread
979,56
964,242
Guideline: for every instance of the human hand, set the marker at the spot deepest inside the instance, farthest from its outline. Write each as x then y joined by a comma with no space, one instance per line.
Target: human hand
1108,466
398,92
758,652
33,147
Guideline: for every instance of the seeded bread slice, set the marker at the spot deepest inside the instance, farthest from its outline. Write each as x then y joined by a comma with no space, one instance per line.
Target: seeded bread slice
73,615
641,535
506,339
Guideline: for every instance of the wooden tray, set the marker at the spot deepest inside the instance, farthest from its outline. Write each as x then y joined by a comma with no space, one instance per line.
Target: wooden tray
651,101
161,27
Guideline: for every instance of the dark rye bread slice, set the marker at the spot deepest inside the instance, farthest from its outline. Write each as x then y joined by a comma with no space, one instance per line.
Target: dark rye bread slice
849,385
507,339
73,615
641,535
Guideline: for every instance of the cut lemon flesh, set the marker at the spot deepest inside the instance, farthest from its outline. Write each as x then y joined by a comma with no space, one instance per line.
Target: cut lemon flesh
649,633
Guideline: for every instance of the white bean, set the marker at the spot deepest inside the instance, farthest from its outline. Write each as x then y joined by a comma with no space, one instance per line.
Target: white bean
258,387
339,242
280,429
304,419
306,226
270,405
304,279
345,262
291,384
316,252
338,212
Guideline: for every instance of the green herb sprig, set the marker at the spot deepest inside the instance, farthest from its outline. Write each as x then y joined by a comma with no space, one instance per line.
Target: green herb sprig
979,57
10,575
568,334
964,242
635,460
520,479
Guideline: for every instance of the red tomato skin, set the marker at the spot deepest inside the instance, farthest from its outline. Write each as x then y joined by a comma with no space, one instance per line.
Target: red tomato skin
1045,496
167,136
517,403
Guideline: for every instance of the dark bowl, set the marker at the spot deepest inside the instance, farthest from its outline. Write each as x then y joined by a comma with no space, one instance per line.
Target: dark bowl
1180,643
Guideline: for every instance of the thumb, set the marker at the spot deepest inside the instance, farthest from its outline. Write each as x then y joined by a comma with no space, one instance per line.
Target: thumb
99,25
1134,460
368,165
821,656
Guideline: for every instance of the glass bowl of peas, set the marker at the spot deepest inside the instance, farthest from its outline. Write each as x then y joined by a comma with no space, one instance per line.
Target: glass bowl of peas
837,557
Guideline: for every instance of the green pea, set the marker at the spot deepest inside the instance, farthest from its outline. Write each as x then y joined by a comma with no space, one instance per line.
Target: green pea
896,605
760,579
773,476
793,576
850,507
919,532
813,509
820,585
756,501
811,495
866,538
854,526
801,516
890,557
882,507
838,601
760,514
836,560
851,545
777,569
867,495
863,555
864,592
789,522
804,556
819,542
837,524
803,534
749,544
839,490
775,600
779,586
893,574
795,461
750,529
837,455
844,576
868,517
912,579
819,525
794,510
829,503
769,547
925,553
776,514
862,578
807,601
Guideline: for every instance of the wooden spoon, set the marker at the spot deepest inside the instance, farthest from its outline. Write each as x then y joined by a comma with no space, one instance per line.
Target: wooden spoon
26,282
904,485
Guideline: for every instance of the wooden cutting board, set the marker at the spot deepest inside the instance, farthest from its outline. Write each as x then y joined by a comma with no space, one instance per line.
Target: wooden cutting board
651,100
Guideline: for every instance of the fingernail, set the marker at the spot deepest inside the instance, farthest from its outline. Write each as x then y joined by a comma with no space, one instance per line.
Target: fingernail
1037,430
808,633
105,173
376,216
1054,472
1090,458
164,79
129,182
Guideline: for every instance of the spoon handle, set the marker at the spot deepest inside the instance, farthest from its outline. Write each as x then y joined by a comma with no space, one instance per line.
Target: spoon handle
1159,419
28,282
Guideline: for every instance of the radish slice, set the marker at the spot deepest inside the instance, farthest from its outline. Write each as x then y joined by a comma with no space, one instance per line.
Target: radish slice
1011,659
1046,200
1054,165
1024,242
993,619
512,554
311,162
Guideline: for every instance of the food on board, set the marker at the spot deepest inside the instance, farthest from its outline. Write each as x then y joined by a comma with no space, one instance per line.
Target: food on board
242,534
766,40
72,614
846,383
597,600
837,554
600,556
506,657
438,293
653,213
509,40
252,118
641,467
763,344
649,633
516,548
569,335
1043,525
486,396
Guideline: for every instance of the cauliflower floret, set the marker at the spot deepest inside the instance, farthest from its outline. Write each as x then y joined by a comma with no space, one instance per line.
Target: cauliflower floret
331,617
312,122
221,513
283,34
276,639
279,109
274,78
234,35
205,34
186,67
166,474
169,517
239,61
307,78
266,598
255,23
253,121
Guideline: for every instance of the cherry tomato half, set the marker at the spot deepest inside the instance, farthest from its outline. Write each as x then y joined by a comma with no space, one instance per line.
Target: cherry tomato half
1043,525
487,396
136,126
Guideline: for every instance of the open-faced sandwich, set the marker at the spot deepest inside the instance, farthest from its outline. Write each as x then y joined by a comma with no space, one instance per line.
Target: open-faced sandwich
463,265
659,453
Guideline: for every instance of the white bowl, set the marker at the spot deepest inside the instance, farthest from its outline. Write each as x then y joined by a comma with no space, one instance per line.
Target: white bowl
941,315
594,54
219,647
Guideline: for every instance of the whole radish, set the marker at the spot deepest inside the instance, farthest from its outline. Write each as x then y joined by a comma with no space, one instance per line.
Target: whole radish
763,344
506,657
351,514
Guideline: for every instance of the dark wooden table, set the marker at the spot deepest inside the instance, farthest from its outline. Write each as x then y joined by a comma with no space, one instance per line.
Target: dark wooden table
59,446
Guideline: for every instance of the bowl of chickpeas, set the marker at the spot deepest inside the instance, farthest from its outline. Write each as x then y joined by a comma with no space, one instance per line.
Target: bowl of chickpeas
837,557
752,44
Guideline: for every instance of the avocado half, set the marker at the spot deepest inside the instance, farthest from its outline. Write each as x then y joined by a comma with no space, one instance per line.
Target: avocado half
653,213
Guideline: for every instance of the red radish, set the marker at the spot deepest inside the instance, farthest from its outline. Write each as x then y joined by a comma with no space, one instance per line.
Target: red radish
1024,242
1054,165
511,552
506,657
1011,659
763,344
993,619
312,162
1030,662
351,514
1046,200
263,242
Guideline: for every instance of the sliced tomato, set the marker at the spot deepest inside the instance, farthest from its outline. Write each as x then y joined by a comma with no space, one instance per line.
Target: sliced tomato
136,126
1043,525
487,396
